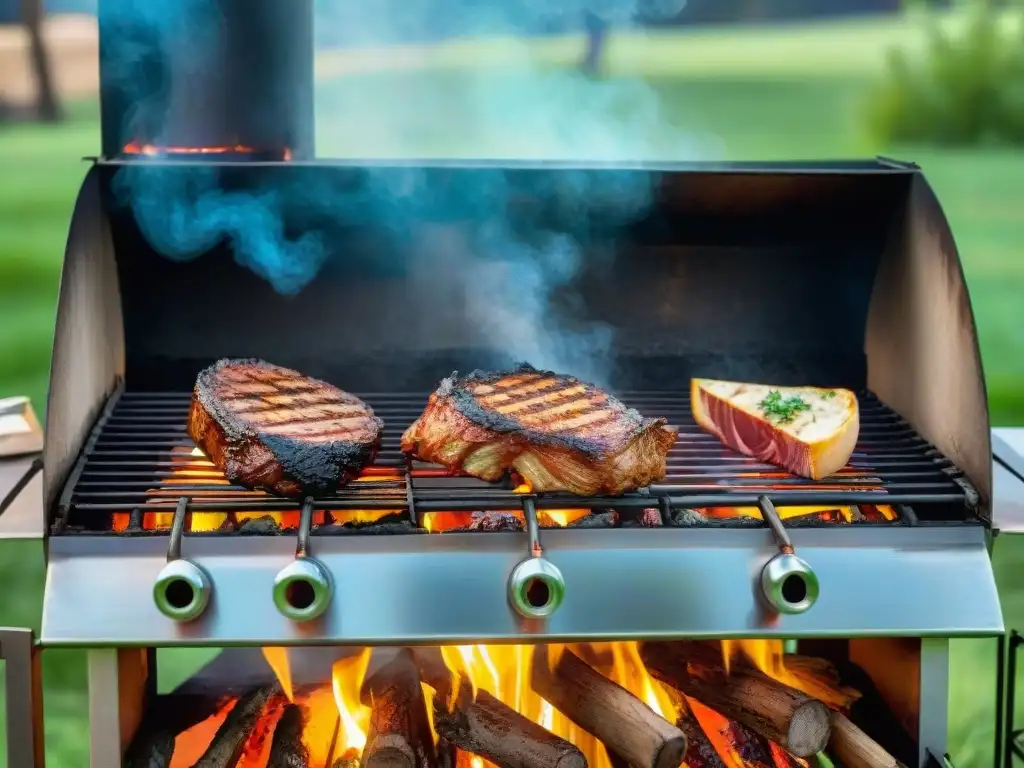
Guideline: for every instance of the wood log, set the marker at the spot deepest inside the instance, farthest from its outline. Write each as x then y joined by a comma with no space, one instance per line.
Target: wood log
496,732
747,747
789,717
873,715
399,734
487,726
226,746
752,748
821,679
151,747
700,752
855,749
625,725
287,749
447,754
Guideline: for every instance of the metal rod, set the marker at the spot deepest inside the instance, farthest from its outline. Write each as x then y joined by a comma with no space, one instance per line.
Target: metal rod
532,527
998,753
771,516
177,529
666,511
1013,649
305,524
409,495
906,514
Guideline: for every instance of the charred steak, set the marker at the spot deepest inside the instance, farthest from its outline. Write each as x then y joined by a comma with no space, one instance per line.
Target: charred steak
559,433
269,427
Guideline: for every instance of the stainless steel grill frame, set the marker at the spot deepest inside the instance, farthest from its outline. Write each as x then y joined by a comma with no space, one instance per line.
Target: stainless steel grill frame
920,357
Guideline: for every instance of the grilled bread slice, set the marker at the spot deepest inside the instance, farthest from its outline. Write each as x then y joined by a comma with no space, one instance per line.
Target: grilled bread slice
807,431
270,427
559,433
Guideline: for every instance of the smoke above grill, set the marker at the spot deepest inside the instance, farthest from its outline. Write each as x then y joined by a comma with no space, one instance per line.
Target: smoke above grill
514,274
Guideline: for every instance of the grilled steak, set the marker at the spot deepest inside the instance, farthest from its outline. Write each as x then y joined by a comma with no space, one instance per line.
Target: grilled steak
558,432
269,427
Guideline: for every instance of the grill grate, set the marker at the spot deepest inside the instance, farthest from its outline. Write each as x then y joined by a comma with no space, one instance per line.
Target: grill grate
139,459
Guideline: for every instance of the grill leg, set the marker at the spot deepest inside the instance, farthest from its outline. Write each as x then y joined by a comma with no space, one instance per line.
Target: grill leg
999,751
934,692
1010,747
23,681
118,682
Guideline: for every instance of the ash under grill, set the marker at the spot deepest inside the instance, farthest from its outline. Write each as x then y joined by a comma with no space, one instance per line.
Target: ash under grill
139,465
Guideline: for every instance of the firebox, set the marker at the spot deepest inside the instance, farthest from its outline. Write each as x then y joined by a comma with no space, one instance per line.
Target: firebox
729,613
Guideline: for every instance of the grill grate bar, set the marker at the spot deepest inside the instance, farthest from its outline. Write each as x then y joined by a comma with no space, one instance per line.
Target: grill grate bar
140,459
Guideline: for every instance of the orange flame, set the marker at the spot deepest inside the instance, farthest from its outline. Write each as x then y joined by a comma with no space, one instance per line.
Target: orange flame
277,658
346,680
337,723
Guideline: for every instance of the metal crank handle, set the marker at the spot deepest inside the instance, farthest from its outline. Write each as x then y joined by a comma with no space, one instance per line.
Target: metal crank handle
536,587
788,583
303,589
182,589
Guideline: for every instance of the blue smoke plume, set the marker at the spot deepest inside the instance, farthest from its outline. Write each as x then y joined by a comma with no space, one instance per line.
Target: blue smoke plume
509,275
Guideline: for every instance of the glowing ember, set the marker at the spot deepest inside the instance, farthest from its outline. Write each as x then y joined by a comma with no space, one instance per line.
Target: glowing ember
153,150
190,467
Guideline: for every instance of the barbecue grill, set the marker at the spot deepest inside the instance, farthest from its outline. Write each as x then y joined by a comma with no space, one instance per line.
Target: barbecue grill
839,274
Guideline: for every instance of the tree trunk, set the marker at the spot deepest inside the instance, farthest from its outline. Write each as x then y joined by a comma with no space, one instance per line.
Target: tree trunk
47,107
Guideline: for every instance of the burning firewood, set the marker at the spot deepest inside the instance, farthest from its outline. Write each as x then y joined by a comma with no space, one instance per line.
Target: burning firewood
626,725
399,735
849,742
752,749
226,746
287,749
486,726
855,749
496,732
151,748
700,752
820,678
789,717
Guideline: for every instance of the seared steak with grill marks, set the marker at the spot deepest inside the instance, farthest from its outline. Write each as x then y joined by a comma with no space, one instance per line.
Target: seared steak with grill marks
269,427
559,433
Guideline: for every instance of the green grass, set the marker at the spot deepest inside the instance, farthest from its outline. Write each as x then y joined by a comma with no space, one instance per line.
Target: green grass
749,94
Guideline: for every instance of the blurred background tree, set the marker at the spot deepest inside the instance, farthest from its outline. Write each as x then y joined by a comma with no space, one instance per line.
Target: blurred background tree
965,87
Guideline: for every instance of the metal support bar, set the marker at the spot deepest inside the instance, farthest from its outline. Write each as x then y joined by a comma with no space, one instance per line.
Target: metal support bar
118,683
1011,746
410,496
532,527
24,698
177,530
771,516
933,692
999,750
104,709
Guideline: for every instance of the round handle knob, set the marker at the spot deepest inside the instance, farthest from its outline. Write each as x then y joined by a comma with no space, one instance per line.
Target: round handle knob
303,590
536,588
789,584
182,590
